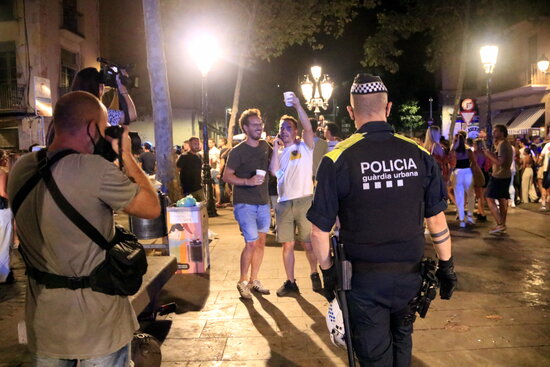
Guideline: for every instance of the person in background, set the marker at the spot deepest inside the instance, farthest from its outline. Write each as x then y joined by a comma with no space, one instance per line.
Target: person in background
484,164
544,183
432,144
147,159
224,148
528,190
89,80
320,148
189,166
214,156
6,222
331,133
499,182
463,180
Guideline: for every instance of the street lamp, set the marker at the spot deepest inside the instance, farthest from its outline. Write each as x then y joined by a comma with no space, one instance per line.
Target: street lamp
489,56
543,64
317,92
205,50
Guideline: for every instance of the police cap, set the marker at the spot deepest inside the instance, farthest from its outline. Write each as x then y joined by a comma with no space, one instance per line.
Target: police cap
367,84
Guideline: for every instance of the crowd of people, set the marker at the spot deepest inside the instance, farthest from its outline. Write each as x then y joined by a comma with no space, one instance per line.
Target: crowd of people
471,169
306,177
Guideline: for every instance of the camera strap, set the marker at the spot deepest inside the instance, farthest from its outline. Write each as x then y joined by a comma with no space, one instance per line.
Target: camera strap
33,181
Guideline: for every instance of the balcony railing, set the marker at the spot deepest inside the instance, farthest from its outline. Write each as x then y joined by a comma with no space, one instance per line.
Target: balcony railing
537,77
12,97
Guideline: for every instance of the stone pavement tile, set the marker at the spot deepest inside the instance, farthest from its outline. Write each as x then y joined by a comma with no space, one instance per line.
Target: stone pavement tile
254,363
493,316
203,349
469,300
210,311
251,348
256,327
292,325
465,338
175,364
321,347
185,327
505,357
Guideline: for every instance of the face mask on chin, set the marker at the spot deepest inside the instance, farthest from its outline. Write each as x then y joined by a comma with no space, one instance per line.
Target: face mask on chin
102,147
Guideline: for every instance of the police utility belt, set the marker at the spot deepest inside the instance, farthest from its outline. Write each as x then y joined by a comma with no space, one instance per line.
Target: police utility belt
426,268
121,273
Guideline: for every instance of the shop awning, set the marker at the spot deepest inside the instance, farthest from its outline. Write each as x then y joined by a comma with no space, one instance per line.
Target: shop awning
525,120
504,117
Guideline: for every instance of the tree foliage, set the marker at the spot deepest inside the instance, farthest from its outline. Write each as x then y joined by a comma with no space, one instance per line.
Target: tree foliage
409,115
442,21
276,25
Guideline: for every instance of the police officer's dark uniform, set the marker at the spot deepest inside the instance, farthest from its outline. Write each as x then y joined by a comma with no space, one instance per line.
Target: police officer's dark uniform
381,186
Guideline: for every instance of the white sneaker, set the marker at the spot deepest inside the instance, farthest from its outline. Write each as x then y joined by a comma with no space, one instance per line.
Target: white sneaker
257,286
470,220
462,224
244,290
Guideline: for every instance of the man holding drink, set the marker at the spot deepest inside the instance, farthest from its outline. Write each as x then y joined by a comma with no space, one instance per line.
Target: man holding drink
245,169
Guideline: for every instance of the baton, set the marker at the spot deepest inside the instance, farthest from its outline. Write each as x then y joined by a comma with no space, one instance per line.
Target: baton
342,288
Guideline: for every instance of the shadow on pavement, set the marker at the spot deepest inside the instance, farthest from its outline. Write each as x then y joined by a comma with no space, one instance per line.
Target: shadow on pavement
278,342
188,291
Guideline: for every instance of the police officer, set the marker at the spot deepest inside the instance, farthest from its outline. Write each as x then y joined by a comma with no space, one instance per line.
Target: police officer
381,186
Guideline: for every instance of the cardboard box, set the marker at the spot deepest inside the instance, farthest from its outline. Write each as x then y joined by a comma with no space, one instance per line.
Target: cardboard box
188,237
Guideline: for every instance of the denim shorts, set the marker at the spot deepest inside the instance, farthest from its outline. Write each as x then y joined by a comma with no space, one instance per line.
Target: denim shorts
252,219
120,358
214,173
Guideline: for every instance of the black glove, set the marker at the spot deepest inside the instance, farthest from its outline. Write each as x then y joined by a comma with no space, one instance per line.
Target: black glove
330,282
447,278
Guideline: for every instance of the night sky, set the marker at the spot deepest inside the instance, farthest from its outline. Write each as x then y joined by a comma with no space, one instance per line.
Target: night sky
264,81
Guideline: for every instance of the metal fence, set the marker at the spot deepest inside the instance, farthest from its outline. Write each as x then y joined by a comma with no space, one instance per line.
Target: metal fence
12,97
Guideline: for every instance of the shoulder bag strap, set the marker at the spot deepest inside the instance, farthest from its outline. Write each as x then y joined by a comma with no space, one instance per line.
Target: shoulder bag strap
70,211
33,181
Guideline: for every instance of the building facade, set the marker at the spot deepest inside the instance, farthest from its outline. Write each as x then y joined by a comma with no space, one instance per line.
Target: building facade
520,93
41,42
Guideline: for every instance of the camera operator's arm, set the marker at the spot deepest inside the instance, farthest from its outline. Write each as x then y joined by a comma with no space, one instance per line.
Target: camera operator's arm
146,203
132,113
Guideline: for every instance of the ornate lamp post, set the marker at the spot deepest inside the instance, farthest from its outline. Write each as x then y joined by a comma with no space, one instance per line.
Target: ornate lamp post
489,56
205,50
317,92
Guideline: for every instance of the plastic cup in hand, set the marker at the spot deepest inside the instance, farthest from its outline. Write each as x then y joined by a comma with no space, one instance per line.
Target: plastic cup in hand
288,97
261,172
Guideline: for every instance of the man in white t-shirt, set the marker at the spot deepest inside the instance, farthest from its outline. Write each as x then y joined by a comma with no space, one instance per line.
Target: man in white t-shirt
293,165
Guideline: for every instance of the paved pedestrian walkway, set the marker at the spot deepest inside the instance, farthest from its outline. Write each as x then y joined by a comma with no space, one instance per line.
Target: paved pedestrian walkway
499,315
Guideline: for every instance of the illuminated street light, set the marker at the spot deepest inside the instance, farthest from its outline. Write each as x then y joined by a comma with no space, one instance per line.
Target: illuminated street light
317,92
543,64
205,51
489,56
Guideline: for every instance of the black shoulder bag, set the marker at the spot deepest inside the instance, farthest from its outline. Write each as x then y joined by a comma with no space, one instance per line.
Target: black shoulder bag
121,273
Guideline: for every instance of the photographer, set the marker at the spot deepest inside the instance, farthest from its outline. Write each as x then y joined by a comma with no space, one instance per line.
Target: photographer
93,81
54,247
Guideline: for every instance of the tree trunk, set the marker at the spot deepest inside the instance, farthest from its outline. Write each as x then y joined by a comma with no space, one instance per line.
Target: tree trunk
241,65
461,71
160,95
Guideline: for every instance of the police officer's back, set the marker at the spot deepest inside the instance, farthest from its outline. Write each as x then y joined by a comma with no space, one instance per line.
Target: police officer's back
381,186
